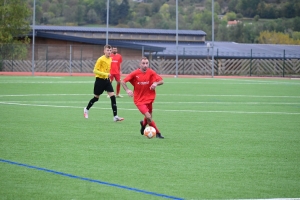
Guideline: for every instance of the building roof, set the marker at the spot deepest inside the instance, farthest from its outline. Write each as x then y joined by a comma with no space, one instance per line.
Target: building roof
117,30
169,49
232,23
228,50
100,41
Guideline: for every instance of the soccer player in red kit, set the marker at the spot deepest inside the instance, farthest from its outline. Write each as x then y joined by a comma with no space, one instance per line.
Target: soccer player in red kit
115,70
144,81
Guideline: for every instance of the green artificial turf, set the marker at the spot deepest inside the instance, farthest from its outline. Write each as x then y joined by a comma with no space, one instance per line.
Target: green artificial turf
224,139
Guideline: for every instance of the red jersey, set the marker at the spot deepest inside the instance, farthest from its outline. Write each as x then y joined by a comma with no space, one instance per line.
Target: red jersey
141,82
115,63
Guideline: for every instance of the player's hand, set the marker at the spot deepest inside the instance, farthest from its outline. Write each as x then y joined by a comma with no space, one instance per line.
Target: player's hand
130,93
153,86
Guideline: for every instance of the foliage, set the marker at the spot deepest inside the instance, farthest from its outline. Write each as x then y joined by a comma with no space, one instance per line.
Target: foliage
14,25
161,14
265,9
230,16
273,37
296,35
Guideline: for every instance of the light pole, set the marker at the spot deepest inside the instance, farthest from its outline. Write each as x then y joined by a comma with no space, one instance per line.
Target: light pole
208,46
176,39
107,20
212,37
33,39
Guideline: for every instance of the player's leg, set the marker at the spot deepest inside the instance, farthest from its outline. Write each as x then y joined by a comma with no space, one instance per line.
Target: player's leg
146,110
152,122
112,96
118,86
111,78
98,89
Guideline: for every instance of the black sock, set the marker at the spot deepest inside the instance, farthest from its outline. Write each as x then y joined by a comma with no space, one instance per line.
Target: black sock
113,104
91,103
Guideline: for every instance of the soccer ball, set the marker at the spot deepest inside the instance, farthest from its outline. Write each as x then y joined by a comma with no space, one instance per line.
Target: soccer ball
150,132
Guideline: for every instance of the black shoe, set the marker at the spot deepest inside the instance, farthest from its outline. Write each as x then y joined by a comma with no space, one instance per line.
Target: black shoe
142,128
158,135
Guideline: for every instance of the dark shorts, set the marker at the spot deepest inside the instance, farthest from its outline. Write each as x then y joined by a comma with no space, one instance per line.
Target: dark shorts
101,85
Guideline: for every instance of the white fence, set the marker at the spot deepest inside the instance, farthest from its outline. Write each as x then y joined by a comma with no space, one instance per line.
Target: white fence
244,67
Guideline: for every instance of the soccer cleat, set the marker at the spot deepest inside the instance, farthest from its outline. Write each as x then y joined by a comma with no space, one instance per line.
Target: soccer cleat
86,113
119,96
118,119
158,135
142,127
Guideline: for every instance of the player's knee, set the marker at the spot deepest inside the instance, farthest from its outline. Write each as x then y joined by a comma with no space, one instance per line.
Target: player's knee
113,99
95,99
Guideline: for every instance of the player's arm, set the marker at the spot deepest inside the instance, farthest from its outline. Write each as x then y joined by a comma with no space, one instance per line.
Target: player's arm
97,67
159,81
96,71
121,60
128,91
120,68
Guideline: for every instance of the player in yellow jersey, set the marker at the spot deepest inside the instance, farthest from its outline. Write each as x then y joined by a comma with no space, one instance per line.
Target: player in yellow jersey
102,83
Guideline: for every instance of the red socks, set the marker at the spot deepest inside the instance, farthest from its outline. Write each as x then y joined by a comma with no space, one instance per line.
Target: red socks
154,126
118,89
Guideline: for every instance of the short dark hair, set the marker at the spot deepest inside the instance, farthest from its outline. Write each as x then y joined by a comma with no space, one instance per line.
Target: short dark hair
144,58
107,46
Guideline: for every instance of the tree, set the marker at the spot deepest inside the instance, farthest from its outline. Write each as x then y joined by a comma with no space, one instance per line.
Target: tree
92,16
114,14
80,14
164,11
267,37
222,34
232,5
124,10
14,26
296,35
236,33
288,10
296,24
231,16
217,8
14,22
156,6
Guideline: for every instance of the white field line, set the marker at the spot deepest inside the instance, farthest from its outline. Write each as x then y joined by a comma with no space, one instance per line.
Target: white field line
181,95
227,95
194,111
259,81
175,102
46,82
215,81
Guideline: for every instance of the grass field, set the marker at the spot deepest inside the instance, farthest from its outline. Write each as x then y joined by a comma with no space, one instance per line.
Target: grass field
224,139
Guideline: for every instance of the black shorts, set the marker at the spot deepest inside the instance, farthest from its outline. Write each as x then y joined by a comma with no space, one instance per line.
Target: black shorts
101,85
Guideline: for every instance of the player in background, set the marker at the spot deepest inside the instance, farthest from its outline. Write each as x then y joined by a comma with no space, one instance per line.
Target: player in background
115,70
102,82
144,81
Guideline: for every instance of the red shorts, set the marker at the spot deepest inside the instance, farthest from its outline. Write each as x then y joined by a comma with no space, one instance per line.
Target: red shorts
145,108
115,76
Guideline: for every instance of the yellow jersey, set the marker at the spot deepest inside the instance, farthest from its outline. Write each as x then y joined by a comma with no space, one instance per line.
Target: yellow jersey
102,67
